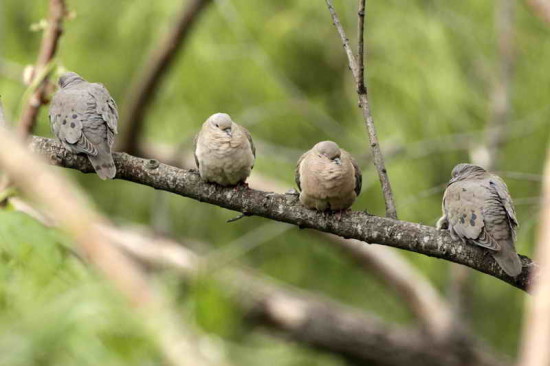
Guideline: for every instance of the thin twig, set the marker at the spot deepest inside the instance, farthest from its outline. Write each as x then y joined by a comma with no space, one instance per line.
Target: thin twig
536,328
357,70
48,49
361,46
355,224
141,92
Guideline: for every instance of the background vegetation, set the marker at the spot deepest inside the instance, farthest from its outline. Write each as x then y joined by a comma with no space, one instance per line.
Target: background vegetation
278,68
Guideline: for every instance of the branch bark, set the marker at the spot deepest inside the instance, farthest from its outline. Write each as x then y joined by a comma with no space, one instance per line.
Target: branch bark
286,208
48,49
141,92
536,329
357,69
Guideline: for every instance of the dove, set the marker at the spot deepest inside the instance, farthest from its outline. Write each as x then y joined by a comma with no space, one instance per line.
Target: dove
328,178
478,209
84,118
224,151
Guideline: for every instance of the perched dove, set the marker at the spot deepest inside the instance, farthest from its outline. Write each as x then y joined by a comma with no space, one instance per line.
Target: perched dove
328,178
84,118
224,151
478,209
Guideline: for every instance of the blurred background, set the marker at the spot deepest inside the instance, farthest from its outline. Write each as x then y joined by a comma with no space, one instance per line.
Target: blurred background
434,71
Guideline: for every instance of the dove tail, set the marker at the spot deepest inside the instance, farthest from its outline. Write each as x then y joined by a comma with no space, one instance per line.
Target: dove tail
508,259
103,165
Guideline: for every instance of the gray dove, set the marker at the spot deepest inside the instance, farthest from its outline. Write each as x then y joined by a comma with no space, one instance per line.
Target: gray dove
478,209
84,118
328,178
224,151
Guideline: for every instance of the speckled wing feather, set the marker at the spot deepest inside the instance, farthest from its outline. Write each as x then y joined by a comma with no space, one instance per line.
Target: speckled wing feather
464,202
502,191
67,112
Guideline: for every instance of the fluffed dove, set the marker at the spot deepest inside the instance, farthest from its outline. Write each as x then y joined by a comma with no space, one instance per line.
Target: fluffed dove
84,118
224,151
328,178
478,209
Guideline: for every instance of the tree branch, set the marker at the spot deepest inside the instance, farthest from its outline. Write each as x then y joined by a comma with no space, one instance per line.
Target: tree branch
48,49
142,91
421,297
286,208
308,318
357,69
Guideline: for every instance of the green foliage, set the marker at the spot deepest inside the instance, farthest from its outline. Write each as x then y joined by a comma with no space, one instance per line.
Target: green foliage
54,311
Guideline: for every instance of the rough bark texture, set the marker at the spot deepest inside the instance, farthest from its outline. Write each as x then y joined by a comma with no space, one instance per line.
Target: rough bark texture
286,208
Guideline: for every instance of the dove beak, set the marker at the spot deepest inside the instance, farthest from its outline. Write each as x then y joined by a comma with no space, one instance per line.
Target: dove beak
228,132
337,161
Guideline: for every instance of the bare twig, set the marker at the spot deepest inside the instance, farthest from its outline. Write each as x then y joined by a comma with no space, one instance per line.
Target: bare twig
357,225
536,328
357,71
48,49
141,92
68,206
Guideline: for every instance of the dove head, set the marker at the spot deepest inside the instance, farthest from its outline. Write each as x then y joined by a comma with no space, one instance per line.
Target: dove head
221,123
467,171
69,78
330,150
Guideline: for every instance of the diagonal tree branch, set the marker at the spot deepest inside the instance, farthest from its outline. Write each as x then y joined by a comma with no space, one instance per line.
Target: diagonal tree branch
286,208
48,49
142,91
357,69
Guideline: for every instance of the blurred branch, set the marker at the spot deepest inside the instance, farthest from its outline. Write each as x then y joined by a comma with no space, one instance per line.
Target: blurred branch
425,302
141,92
310,319
357,69
536,328
286,208
541,8
69,208
48,49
